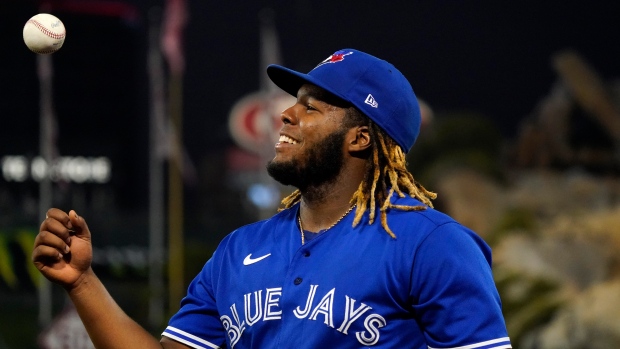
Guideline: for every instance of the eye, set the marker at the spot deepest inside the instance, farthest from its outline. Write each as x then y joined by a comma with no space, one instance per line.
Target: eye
310,107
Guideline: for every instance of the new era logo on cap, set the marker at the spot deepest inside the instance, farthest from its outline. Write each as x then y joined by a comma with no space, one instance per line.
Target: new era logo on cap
370,100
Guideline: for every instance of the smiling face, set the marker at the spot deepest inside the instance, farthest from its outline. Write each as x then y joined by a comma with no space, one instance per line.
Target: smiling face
310,150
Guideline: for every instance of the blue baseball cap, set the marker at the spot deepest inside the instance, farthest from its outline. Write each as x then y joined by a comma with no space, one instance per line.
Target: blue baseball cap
374,86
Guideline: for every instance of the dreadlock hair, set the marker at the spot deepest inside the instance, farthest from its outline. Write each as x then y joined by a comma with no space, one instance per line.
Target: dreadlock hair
386,174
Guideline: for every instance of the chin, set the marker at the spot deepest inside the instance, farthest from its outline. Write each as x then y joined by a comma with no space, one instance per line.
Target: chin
278,161
284,172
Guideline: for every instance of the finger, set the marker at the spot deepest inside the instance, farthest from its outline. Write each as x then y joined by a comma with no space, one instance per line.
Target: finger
79,225
45,254
60,216
57,228
45,238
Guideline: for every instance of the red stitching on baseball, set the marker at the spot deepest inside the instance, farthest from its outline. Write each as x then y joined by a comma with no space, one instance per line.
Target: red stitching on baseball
46,31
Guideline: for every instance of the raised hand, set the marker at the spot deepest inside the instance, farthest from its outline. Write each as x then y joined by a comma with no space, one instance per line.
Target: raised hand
62,249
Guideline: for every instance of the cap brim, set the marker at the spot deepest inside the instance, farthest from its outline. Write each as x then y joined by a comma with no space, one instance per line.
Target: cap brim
290,81
287,79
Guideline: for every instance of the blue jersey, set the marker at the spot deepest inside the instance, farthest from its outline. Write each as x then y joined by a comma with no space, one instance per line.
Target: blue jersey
431,287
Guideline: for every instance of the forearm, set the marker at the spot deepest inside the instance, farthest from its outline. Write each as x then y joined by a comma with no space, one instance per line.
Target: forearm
106,323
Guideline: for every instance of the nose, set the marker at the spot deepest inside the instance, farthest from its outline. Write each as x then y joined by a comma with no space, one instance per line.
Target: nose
288,115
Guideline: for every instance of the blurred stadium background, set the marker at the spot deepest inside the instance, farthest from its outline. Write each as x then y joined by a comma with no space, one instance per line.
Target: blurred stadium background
521,140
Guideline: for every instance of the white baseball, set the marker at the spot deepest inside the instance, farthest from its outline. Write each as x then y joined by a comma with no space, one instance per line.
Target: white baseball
44,34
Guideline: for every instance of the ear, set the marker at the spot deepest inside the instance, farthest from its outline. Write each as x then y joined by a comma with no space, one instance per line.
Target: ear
359,139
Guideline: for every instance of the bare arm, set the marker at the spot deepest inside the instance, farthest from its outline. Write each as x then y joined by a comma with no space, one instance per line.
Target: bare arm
63,254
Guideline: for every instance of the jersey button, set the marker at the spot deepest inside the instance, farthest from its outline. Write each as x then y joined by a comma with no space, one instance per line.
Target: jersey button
298,281
307,254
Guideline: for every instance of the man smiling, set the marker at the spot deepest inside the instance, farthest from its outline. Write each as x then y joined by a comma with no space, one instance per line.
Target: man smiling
355,258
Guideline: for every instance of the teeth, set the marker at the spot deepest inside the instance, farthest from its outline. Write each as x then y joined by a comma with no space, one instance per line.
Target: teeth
285,139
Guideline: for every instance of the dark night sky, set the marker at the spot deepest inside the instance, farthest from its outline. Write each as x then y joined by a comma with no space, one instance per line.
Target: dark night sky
489,57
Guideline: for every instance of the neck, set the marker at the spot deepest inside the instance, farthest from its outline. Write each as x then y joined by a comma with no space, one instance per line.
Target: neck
322,206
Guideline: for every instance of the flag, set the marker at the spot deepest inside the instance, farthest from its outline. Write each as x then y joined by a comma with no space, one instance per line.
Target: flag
175,19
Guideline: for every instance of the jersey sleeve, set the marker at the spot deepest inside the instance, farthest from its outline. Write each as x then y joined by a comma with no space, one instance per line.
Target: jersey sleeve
454,294
197,323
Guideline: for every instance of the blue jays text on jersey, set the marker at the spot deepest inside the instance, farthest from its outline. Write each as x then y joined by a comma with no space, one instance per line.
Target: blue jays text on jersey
322,311
431,287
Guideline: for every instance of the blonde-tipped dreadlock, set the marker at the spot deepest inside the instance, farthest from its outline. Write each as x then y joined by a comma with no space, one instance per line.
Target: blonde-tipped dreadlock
386,173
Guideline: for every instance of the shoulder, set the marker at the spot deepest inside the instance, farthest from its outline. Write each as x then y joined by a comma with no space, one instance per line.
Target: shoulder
266,225
423,218
260,232
252,237
434,228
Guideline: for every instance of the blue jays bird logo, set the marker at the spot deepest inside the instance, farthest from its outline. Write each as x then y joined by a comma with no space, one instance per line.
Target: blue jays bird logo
336,57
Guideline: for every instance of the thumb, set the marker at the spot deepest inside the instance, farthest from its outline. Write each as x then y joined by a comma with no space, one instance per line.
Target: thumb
79,226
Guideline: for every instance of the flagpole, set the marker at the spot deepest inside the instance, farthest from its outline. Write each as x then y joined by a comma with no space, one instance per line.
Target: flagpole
174,23
156,173
46,150
269,54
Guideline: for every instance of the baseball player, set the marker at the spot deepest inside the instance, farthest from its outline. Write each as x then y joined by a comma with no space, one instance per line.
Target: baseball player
356,258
